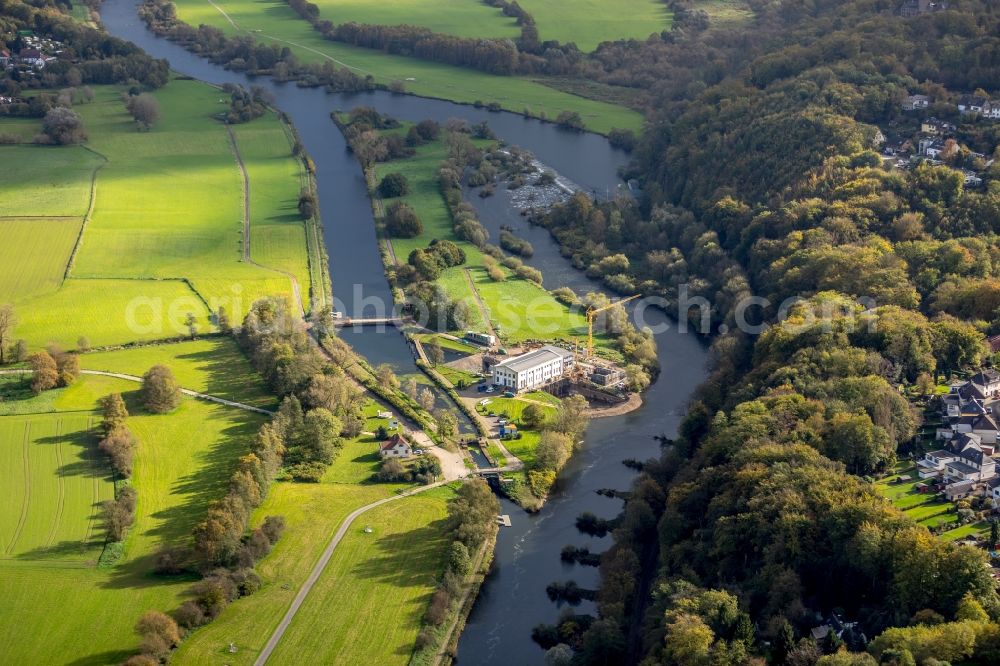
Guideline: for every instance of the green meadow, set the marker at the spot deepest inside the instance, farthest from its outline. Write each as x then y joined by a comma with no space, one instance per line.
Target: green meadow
587,23
464,18
273,21
399,561
52,477
165,236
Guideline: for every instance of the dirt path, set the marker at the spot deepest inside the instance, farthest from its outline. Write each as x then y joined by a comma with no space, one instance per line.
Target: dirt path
482,306
317,570
188,392
296,291
89,213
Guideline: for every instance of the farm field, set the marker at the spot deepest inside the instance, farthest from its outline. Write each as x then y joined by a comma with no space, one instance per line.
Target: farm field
312,512
34,254
464,18
274,21
215,366
49,181
53,480
590,22
183,460
148,257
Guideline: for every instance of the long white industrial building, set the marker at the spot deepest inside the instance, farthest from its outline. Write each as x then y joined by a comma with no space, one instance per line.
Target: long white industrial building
536,368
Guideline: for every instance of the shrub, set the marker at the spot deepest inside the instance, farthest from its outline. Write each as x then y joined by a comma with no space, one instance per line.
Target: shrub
394,185
401,221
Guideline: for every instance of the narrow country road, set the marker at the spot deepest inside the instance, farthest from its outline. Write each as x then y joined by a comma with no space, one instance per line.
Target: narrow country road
317,570
189,392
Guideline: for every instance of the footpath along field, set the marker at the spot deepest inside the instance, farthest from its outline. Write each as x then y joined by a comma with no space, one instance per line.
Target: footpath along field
150,253
273,21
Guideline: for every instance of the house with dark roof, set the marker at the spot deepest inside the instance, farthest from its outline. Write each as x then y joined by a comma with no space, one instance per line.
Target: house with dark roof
968,104
916,102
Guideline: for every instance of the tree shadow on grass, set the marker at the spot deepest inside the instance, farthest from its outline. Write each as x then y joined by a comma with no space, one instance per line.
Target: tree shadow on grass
394,563
208,482
84,553
102,658
85,459
231,380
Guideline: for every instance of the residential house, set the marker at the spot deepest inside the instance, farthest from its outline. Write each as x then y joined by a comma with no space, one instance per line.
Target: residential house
971,178
936,127
32,57
4,57
916,102
991,109
395,447
968,104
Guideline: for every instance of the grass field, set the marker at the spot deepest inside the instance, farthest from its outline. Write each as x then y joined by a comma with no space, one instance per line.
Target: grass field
34,254
464,18
48,181
78,613
215,366
590,22
150,254
313,512
53,480
277,232
273,21
523,448
109,312
367,605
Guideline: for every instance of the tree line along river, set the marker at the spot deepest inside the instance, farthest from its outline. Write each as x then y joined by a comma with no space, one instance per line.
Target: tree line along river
513,600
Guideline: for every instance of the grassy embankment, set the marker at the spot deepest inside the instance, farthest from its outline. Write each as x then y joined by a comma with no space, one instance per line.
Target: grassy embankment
274,21
164,236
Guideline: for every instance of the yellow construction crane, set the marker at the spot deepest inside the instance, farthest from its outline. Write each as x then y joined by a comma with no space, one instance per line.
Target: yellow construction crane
593,312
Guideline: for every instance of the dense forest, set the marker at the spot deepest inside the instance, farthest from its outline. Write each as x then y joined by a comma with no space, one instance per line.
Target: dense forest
762,175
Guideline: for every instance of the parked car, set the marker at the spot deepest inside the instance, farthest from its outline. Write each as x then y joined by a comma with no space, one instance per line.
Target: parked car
508,394
418,452
482,388
491,390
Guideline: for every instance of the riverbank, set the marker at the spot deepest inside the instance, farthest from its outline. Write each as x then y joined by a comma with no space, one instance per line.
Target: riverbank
527,555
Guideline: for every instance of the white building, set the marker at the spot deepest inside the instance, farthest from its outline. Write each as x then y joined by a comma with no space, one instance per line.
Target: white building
536,368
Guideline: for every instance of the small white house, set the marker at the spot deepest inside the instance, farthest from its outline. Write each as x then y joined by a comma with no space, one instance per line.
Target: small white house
395,447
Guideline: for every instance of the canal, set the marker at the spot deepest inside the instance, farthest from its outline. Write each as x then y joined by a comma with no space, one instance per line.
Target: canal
513,600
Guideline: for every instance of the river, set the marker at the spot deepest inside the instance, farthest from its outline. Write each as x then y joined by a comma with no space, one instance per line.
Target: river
513,600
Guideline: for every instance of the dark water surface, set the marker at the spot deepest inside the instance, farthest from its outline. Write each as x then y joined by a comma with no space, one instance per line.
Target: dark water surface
513,599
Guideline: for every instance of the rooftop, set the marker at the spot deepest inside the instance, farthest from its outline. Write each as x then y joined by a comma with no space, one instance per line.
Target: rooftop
534,358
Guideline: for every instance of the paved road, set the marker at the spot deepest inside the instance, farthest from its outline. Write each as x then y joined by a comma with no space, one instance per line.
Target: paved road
317,570
133,378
